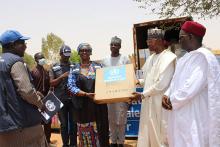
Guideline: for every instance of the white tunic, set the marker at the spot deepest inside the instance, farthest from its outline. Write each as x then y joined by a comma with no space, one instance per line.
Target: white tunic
195,96
158,72
117,112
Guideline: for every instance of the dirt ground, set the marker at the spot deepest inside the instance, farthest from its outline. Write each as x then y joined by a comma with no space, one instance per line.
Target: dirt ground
56,137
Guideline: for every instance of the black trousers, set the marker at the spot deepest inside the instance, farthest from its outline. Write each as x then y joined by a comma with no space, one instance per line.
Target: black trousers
47,131
68,126
102,124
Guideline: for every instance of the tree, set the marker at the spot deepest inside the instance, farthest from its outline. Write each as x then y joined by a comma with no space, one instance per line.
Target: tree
175,8
0,49
75,58
29,60
51,47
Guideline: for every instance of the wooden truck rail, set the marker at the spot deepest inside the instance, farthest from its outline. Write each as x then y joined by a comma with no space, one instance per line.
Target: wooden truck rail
172,27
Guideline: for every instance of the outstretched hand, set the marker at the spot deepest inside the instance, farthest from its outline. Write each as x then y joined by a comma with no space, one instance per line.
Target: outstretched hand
90,95
136,96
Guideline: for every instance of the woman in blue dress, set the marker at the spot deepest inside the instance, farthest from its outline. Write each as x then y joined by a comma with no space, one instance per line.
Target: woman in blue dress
91,118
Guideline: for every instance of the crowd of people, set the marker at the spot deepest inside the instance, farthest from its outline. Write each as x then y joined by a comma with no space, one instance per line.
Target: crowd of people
180,98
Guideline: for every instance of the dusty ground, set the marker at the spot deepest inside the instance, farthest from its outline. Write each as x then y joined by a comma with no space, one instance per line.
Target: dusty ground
56,136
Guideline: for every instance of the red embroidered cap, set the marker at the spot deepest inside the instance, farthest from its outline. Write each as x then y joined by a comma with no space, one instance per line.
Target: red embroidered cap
194,28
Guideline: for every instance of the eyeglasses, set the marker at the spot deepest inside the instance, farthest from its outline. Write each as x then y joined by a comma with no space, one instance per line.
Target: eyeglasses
85,50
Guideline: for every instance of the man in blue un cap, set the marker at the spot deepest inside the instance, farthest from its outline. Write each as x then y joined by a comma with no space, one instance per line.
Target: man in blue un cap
11,39
20,120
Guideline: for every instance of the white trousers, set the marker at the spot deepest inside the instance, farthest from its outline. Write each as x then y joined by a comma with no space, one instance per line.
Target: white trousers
117,133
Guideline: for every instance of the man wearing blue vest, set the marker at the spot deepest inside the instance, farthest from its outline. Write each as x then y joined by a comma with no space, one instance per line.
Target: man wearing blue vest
20,119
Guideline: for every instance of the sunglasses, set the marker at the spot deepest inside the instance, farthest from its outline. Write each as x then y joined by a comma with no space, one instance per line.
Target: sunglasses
85,50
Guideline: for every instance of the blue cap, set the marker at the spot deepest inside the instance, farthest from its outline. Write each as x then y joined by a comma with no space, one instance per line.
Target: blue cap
11,36
65,50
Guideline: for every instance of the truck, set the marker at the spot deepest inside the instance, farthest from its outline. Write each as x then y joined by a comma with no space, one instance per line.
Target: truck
171,27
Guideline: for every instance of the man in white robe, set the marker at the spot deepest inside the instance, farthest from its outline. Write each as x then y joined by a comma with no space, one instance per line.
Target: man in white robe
117,112
158,72
194,94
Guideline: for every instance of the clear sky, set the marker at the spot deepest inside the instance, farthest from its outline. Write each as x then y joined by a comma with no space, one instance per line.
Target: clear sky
76,21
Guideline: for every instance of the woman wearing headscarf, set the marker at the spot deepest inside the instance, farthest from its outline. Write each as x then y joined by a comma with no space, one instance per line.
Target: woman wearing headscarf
91,118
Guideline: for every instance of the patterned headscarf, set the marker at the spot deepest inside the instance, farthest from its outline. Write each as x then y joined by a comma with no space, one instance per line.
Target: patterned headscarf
84,45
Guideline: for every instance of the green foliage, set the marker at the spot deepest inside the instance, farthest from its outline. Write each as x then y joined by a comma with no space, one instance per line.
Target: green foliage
0,49
29,60
175,8
75,58
51,46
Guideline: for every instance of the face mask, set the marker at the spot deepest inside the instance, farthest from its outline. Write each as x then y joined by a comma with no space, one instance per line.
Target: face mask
42,61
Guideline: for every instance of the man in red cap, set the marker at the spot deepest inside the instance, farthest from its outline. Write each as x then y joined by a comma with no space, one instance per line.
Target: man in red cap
193,95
